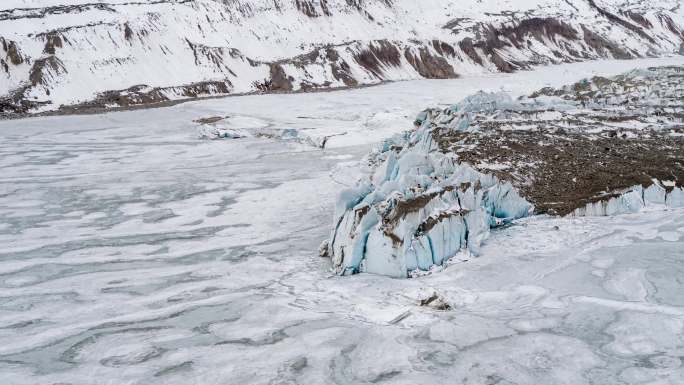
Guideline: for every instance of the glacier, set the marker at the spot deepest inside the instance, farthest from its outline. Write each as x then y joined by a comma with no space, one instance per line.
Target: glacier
420,207
423,203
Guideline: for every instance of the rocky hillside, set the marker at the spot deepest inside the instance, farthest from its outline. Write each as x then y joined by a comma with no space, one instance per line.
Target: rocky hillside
85,54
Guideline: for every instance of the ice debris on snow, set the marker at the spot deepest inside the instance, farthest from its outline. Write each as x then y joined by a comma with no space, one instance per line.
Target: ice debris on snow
214,128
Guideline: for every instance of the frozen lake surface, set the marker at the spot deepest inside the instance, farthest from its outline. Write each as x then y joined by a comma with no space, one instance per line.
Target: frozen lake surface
133,252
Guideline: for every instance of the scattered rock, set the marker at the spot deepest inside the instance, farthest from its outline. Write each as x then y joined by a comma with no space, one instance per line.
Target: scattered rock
279,80
210,119
323,249
436,302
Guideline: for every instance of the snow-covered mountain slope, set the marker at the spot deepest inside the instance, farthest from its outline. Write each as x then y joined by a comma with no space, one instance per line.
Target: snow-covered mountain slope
89,53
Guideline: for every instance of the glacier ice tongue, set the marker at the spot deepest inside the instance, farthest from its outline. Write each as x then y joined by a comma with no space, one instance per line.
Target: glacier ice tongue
416,222
488,160
419,207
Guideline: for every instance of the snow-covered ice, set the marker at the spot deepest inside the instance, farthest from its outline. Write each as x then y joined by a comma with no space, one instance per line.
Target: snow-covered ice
135,252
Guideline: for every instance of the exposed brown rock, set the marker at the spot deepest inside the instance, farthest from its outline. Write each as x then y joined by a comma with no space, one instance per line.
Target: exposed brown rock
209,119
671,25
279,80
15,104
601,45
618,20
468,48
128,32
142,95
132,96
215,55
378,54
340,68
11,14
205,88
639,19
402,207
430,66
493,39
43,67
359,4
52,41
433,221
13,54
573,170
500,63
443,48
436,302
539,28
308,8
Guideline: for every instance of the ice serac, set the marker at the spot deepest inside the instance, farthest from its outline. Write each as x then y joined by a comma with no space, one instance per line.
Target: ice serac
420,206
634,200
592,148
85,55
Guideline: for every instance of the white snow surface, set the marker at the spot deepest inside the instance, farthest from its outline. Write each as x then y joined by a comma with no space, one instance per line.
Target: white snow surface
134,252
